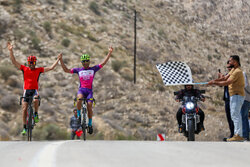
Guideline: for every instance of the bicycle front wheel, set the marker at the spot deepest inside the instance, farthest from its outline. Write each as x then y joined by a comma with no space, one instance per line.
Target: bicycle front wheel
84,126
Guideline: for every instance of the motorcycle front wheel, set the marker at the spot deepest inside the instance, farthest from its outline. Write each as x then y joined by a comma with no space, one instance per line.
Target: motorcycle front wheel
191,134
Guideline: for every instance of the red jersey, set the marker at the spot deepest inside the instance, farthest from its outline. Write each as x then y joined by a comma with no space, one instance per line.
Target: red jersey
31,77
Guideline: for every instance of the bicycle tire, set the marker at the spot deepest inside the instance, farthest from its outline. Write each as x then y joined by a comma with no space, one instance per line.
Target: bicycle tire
84,127
30,112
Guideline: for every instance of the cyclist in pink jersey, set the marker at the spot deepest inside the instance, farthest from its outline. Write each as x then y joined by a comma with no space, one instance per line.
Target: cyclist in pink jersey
86,76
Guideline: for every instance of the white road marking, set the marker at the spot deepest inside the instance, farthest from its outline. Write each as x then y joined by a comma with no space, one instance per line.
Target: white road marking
47,156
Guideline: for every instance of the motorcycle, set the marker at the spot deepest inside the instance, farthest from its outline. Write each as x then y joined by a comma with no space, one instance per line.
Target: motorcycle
190,116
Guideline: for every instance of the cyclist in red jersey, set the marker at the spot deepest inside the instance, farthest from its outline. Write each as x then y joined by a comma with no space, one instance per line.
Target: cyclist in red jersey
31,77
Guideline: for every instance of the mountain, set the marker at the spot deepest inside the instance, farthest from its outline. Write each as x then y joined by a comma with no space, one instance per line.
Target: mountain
201,33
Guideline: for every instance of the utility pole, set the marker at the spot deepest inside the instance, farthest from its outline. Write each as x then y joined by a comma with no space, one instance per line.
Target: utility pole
135,49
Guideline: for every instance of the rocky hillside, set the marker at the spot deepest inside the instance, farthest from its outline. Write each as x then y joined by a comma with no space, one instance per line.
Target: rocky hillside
201,33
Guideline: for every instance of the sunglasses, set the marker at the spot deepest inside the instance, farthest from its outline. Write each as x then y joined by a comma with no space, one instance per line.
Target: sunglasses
83,61
31,62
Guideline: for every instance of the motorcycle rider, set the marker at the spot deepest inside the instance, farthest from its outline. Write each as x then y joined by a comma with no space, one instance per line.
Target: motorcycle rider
189,91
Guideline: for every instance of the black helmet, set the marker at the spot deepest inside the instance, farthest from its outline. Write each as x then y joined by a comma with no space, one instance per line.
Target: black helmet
185,86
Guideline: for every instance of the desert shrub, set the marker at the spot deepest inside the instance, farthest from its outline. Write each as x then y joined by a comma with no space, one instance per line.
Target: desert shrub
159,5
218,102
224,43
160,87
65,42
103,29
50,2
136,118
105,10
147,54
35,43
5,20
117,65
47,108
9,103
108,3
47,26
47,92
93,6
241,50
13,82
96,136
217,56
6,71
18,34
127,74
209,57
35,40
4,135
65,27
50,132
91,37
17,5
79,30
162,34
127,15
120,136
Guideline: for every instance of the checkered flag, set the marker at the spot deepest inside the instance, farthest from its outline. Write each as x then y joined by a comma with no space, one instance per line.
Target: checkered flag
175,73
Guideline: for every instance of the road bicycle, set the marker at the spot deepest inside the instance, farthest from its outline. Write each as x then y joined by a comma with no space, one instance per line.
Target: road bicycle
83,116
30,115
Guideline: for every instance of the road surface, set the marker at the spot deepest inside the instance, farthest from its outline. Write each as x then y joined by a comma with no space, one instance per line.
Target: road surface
123,154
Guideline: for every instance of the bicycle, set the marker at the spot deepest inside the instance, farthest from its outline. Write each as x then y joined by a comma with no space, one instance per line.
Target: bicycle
30,118
83,118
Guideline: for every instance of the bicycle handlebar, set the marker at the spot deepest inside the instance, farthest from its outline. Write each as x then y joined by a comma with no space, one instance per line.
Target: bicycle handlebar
75,99
30,97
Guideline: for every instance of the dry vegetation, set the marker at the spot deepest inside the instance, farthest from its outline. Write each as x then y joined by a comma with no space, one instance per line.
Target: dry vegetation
196,32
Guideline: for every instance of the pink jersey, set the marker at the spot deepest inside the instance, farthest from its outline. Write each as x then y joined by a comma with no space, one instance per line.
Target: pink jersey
86,76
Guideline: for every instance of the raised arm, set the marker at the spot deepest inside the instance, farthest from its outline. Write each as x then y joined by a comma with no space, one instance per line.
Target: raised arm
12,58
46,69
65,69
223,81
108,56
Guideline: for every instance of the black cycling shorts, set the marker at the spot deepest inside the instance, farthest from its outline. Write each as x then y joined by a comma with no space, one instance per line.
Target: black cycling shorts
28,93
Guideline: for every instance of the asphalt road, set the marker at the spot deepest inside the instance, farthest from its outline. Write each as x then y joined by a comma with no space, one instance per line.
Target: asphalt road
123,154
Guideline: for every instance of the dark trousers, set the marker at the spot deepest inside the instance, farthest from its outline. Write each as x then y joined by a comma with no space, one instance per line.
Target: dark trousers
73,134
229,119
179,116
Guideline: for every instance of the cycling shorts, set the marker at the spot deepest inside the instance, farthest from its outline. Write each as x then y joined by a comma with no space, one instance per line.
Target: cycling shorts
87,93
28,93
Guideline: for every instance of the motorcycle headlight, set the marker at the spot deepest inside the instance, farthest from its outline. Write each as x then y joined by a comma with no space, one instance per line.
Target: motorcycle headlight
190,105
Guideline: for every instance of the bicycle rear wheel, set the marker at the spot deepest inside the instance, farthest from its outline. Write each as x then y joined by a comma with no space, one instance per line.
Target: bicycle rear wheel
29,128
84,126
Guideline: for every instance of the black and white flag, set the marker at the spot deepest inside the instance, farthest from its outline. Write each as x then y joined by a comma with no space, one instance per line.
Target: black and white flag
176,73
